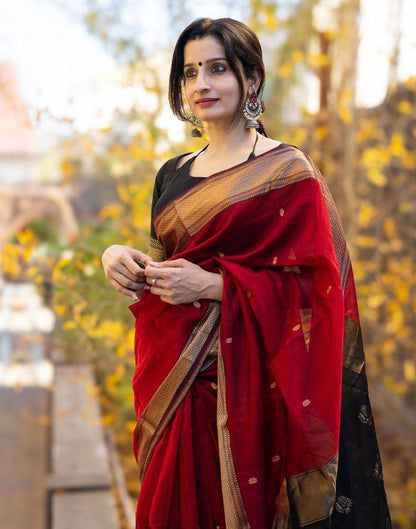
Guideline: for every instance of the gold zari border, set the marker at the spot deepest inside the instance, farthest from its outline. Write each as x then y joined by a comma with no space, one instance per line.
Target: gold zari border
234,509
156,251
353,345
150,426
313,493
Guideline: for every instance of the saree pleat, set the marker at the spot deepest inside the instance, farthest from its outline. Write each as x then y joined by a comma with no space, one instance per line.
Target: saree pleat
253,413
178,491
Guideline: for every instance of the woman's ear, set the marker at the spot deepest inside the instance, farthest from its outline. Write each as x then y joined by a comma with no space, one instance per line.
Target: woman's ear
254,82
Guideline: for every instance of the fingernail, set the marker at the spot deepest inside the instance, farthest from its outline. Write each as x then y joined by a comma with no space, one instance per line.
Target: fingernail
146,287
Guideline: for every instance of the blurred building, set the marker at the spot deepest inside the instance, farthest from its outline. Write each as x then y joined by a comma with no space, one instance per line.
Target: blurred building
23,198
19,151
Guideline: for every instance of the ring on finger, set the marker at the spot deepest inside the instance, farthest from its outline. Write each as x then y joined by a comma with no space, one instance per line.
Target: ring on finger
154,281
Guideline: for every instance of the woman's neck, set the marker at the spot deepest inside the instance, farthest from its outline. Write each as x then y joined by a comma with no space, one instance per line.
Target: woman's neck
223,141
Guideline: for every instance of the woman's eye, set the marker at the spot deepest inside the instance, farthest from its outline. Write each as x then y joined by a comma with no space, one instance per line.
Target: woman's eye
216,68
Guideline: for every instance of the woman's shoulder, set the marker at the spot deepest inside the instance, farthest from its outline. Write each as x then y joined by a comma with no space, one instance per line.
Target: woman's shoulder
176,162
265,144
168,171
293,151
181,159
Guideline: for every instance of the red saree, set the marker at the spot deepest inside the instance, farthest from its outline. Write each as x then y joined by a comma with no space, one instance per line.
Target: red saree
238,403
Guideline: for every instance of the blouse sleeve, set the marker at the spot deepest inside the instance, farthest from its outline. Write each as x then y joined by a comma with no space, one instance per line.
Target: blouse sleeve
155,250
157,191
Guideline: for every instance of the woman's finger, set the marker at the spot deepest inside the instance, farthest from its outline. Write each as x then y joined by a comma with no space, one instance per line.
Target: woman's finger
125,282
157,290
118,255
121,289
131,264
166,300
174,263
160,283
132,259
152,272
120,268
137,256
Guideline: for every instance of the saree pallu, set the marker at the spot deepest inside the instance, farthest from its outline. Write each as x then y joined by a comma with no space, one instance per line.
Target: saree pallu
253,412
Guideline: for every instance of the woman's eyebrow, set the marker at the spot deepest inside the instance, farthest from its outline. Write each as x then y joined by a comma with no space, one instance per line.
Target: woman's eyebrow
209,60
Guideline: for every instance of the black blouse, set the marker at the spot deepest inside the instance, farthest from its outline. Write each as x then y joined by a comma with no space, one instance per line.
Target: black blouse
171,182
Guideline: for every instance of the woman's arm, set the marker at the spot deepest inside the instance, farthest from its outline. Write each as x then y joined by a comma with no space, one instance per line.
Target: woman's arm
213,289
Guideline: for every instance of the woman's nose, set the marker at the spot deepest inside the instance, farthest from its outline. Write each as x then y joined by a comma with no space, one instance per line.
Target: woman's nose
201,81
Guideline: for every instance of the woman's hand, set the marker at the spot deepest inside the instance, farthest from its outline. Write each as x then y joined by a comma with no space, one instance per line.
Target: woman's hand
180,281
122,271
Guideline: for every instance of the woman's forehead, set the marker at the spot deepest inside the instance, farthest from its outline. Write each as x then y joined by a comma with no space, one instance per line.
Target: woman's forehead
202,50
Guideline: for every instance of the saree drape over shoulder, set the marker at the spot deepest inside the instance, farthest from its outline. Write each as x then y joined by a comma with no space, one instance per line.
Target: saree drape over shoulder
253,412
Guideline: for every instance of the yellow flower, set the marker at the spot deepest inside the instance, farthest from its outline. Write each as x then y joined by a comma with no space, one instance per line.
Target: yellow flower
297,56
405,107
409,370
130,426
321,132
285,70
111,211
367,242
60,309
317,60
366,214
376,177
25,237
396,145
107,419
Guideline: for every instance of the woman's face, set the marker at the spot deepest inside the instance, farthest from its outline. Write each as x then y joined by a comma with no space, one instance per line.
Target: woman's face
211,87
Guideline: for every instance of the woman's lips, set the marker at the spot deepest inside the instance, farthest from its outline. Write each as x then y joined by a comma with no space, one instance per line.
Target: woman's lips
206,102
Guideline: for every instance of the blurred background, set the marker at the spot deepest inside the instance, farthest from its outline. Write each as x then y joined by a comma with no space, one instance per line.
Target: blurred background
84,126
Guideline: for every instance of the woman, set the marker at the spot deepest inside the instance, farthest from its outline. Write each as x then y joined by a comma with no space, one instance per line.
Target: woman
250,388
